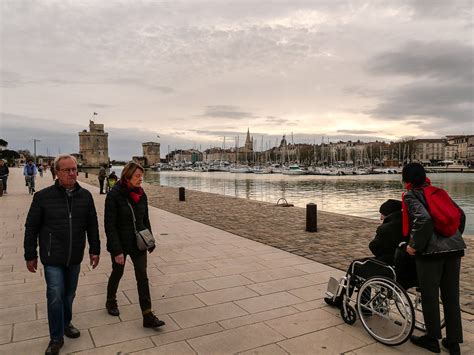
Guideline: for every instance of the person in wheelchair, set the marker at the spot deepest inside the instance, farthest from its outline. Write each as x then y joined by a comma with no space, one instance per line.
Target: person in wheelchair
387,240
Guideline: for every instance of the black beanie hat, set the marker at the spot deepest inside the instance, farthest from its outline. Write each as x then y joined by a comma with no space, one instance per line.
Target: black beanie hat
390,206
414,173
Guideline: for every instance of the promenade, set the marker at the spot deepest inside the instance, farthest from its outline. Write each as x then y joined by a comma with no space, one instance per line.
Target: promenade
219,293
339,240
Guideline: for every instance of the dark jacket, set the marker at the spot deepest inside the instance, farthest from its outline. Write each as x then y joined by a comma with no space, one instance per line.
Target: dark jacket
119,220
387,238
61,224
4,170
423,237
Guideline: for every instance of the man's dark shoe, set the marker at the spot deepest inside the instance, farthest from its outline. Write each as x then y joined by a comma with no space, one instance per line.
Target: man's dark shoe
452,347
426,342
53,347
71,331
112,308
152,321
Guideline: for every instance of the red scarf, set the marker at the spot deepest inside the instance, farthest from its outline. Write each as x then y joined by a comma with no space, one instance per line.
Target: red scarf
135,193
405,217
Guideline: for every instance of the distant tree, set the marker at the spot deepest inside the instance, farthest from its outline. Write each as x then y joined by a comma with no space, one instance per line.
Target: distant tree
9,156
3,142
26,153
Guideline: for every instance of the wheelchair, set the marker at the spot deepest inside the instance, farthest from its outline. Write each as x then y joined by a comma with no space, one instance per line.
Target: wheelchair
385,309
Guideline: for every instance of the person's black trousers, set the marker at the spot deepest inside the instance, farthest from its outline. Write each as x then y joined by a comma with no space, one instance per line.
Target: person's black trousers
139,264
101,185
434,274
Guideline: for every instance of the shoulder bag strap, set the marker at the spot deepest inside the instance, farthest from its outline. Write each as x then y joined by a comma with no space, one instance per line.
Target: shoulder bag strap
133,214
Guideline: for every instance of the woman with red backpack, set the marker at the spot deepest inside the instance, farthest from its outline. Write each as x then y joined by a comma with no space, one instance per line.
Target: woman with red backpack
434,225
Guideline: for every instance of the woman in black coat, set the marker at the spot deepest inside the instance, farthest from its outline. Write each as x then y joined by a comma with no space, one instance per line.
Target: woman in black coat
120,228
438,263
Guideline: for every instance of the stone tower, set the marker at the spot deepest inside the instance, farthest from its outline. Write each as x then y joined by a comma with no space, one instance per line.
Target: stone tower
248,147
151,152
94,146
248,143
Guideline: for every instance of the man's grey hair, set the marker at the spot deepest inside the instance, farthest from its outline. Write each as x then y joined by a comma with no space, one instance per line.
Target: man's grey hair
62,157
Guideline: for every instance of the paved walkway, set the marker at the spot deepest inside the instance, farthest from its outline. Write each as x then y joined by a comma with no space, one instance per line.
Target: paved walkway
218,293
340,238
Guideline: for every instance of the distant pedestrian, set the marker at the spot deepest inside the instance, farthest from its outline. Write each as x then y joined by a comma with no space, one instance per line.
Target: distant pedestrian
126,210
40,169
4,171
30,171
438,249
101,177
59,218
111,181
53,171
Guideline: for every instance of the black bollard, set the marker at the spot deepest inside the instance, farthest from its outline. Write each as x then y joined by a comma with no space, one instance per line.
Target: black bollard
87,175
311,217
182,194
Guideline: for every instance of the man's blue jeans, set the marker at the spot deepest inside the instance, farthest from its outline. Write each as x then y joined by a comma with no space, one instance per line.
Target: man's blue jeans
61,282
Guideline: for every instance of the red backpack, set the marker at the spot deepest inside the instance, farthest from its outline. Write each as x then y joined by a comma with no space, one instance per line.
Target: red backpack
445,214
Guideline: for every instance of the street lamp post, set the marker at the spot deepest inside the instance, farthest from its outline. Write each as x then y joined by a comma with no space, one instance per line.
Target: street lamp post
35,140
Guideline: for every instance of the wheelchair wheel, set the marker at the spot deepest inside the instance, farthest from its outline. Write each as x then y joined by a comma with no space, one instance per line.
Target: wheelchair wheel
385,310
419,319
349,315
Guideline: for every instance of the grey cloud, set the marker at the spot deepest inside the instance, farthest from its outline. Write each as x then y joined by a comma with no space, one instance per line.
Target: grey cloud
441,8
438,60
276,120
95,105
11,79
355,131
452,103
225,111
440,125
219,133
415,123
141,83
441,93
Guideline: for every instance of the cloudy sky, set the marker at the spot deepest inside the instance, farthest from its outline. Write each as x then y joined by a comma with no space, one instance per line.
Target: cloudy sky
195,71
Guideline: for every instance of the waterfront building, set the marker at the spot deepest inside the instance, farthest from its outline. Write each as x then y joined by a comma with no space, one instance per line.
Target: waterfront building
428,150
462,142
451,152
470,150
188,156
94,146
151,153
212,154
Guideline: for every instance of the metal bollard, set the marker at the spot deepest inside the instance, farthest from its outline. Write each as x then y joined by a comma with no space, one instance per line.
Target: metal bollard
87,175
182,196
311,217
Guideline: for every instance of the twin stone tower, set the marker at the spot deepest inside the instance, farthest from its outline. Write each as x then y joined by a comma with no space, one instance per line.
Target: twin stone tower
94,148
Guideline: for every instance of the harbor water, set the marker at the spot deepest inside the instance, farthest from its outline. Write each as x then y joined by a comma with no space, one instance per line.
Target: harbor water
359,195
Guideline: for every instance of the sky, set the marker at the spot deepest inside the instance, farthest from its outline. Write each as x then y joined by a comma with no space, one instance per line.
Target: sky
189,73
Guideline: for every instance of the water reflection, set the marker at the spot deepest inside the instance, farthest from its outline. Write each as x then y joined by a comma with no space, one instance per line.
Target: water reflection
353,195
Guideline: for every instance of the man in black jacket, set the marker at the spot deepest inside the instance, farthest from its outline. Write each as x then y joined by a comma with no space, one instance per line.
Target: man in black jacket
4,171
59,218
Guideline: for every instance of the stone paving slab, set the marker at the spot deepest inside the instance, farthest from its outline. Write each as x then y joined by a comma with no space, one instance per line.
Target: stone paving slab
219,293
